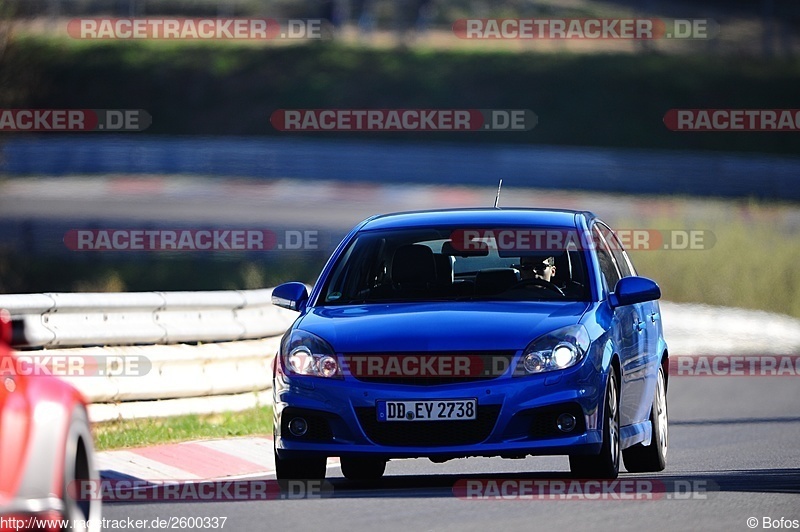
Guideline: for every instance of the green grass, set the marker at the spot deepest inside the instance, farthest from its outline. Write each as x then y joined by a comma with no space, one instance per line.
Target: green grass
752,264
151,431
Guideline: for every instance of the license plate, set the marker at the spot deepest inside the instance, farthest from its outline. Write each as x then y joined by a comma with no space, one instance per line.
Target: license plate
444,410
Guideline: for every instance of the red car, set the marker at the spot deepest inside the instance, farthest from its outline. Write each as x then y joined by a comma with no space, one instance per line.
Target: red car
45,447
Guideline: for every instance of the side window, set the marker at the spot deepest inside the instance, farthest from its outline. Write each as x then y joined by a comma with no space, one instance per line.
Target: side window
607,265
623,262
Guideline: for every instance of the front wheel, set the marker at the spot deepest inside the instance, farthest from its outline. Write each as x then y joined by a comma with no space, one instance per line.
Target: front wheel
605,464
80,470
648,458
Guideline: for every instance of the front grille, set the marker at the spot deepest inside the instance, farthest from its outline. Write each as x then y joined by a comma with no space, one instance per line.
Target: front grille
428,433
377,368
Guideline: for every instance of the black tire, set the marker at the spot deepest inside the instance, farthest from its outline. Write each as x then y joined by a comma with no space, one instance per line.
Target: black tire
605,464
306,468
362,468
641,458
79,467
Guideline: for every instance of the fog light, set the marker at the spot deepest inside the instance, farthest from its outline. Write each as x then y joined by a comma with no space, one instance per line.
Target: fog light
565,422
298,426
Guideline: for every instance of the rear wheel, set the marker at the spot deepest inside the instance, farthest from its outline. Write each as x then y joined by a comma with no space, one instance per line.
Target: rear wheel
647,458
605,464
362,468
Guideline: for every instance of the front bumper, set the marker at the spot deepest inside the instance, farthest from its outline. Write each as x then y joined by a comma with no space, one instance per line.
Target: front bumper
516,417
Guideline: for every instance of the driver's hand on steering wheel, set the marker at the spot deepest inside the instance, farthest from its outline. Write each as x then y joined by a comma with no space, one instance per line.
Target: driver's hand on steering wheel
541,283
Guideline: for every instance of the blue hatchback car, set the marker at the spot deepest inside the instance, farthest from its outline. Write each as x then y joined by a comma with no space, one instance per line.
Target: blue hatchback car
473,332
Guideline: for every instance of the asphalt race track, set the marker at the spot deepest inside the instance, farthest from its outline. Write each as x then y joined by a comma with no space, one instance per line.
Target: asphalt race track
734,454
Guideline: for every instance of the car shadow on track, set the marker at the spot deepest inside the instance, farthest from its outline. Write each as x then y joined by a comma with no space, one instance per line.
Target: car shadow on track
696,485
737,421
540,485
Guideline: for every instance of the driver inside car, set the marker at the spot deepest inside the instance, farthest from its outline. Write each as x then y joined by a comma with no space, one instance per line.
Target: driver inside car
538,272
537,268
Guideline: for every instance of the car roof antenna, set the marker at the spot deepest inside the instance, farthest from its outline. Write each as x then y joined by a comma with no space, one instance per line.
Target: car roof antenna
497,197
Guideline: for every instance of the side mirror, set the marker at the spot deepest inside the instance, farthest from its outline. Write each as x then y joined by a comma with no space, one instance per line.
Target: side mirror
632,290
292,296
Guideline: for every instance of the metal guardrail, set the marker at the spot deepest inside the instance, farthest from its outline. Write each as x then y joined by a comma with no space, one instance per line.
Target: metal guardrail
175,371
204,351
145,318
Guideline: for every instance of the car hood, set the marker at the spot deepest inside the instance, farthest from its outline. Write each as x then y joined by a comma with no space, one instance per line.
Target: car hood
438,326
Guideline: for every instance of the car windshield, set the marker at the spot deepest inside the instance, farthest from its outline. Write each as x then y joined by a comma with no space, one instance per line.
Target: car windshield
458,264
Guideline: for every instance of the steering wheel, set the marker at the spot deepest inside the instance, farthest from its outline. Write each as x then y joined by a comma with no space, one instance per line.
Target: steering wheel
535,281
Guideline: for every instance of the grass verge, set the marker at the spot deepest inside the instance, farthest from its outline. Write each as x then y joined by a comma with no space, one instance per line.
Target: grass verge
751,264
151,431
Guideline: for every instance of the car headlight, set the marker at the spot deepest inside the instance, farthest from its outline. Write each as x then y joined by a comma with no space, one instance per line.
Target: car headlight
303,353
559,349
